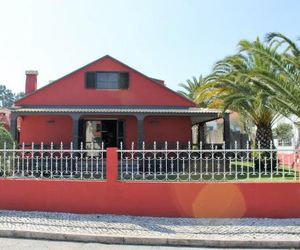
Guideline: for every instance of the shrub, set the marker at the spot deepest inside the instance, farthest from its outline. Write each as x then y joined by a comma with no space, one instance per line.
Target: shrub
283,131
5,136
6,160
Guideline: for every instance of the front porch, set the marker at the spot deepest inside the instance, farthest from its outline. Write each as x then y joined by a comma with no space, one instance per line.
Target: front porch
112,125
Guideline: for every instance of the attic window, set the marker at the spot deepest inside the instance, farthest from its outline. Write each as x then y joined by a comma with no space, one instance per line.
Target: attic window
107,80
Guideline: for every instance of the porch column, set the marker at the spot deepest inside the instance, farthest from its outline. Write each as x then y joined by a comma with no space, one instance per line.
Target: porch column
140,130
201,132
226,132
13,125
75,130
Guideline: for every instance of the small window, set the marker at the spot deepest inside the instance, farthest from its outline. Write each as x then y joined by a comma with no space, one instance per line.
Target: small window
107,80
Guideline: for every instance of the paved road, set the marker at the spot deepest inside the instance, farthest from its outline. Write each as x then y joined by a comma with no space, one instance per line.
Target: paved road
26,244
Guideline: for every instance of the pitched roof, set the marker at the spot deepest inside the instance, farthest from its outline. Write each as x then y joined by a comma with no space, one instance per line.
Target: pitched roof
156,81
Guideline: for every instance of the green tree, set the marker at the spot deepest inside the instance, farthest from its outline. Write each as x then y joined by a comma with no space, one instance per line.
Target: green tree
190,87
283,131
232,86
282,83
19,95
7,97
7,142
5,137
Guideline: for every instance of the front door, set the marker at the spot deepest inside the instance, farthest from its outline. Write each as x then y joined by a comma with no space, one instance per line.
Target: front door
96,132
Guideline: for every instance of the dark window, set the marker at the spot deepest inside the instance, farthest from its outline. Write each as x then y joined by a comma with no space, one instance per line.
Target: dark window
107,80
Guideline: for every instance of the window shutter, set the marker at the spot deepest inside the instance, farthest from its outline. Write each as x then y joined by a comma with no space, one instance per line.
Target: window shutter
124,80
90,80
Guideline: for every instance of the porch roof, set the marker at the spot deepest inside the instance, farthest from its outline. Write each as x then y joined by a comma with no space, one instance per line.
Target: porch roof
115,110
198,115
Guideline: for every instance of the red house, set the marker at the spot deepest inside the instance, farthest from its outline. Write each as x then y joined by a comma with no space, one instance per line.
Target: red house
105,101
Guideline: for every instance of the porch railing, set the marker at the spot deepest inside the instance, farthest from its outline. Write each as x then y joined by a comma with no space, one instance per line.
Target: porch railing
52,162
202,164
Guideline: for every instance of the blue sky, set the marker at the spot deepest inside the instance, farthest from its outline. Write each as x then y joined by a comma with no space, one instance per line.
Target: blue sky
171,40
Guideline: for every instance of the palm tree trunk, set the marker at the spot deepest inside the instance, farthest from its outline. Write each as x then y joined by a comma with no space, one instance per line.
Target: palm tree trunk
264,140
264,137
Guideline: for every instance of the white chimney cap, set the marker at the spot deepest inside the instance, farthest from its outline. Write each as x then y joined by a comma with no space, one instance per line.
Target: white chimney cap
31,72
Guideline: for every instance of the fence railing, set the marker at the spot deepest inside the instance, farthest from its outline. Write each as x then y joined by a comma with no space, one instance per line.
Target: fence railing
52,162
181,163
204,164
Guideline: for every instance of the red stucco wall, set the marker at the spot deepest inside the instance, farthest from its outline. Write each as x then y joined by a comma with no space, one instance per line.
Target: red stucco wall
46,129
170,129
271,200
71,90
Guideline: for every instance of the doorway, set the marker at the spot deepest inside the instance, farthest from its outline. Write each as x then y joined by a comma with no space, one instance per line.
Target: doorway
95,132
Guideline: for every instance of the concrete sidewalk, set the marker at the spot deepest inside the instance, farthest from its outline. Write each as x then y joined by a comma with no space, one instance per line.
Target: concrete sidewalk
111,229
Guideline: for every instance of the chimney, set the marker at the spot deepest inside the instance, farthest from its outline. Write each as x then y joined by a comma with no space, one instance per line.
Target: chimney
31,81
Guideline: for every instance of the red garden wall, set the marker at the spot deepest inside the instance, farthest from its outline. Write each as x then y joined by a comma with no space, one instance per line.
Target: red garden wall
276,200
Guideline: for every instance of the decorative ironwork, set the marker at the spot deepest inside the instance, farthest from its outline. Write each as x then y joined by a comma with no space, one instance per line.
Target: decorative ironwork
202,164
181,163
52,162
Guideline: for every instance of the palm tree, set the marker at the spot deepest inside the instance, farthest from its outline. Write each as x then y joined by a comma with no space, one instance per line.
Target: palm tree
232,86
282,83
190,87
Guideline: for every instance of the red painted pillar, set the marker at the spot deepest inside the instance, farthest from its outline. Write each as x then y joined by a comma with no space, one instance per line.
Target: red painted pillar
111,164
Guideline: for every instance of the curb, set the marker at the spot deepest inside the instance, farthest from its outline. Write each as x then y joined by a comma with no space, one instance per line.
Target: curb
153,241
